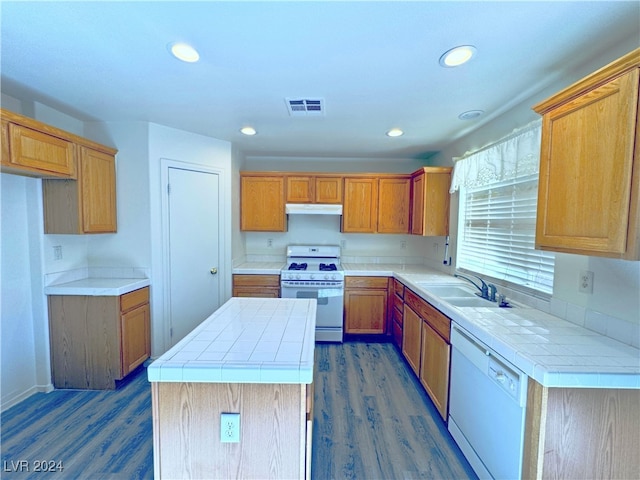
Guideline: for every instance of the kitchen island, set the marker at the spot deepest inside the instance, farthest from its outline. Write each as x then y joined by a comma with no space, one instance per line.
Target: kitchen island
253,357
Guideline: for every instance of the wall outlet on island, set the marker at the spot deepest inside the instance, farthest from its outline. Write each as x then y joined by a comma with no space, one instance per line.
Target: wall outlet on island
230,427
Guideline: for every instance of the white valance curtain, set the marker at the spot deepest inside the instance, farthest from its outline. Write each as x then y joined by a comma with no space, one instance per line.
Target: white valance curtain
517,155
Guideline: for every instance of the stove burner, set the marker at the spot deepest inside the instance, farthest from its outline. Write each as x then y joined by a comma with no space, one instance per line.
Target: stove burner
331,267
297,266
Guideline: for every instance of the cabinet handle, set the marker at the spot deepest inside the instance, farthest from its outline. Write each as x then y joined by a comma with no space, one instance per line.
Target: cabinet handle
213,271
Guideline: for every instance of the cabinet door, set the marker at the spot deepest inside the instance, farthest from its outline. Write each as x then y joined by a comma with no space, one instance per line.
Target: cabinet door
262,204
136,347
328,190
434,368
300,189
360,211
588,190
417,204
430,202
412,338
40,151
97,191
393,205
365,311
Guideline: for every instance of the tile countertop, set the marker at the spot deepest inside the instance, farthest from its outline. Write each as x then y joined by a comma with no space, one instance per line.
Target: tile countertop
97,287
259,268
551,350
247,340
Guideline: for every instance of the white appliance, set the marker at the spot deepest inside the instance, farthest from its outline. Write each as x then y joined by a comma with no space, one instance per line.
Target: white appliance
487,407
314,271
312,209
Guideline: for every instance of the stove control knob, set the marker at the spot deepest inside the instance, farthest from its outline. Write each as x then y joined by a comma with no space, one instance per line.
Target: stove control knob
297,276
312,276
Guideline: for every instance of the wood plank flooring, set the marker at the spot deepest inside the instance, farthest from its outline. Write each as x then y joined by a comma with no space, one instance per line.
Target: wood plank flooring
372,420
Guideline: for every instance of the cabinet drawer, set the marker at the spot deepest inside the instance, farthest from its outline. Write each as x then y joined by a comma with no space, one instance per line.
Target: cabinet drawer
398,288
438,321
366,282
256,280
398,302
134,299
397,315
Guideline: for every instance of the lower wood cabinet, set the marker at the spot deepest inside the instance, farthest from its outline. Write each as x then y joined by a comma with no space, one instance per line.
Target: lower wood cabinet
427,348
396,321
265,286
434,367
412,338
365,305
98,340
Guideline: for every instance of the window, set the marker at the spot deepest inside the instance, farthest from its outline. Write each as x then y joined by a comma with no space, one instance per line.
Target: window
498,200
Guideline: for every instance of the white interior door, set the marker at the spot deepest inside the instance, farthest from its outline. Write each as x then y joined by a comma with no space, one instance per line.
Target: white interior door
193,249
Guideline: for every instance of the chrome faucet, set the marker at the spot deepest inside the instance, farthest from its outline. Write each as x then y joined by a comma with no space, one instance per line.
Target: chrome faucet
492,292
484,289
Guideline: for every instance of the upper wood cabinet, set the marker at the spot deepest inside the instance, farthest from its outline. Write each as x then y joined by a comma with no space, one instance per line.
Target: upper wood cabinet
589,190
79,187
314,189
394,201
85,205
360,208
262,202
32,148
430,201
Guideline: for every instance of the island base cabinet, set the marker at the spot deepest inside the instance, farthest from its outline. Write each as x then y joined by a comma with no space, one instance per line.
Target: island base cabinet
273,430
577,433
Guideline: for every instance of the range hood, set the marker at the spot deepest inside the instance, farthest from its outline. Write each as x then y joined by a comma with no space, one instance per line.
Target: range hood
313,209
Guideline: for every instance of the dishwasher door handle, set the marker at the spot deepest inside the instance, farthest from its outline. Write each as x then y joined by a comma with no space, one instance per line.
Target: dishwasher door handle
473,341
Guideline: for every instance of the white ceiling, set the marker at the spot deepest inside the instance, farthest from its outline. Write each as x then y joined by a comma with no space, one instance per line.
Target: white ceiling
375,64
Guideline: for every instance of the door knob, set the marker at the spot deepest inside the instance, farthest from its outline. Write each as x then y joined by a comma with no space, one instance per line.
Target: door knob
213,271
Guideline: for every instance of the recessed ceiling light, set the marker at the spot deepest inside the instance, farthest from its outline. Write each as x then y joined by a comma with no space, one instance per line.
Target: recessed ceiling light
457,56
470,114
184,52
248,131
395,132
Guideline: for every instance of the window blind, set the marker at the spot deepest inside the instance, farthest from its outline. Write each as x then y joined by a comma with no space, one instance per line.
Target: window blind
497,234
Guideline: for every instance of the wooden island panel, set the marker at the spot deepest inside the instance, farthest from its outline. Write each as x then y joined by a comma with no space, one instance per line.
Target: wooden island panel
273,430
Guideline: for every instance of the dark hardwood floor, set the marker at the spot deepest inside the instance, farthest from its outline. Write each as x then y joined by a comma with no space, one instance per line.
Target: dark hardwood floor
372,421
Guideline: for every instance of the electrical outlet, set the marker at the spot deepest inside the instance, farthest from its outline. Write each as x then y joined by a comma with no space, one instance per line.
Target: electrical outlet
403,244
230,427
269,242
343,243
585,284
435,247
57,252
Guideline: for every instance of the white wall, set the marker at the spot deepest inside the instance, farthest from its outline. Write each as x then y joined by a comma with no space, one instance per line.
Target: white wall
17,310
616,282
169,143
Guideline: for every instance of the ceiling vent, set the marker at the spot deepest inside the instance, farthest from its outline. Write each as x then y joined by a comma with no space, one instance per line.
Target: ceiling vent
305,107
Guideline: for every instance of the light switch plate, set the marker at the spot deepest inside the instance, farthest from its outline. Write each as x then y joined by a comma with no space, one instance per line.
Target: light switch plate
230,427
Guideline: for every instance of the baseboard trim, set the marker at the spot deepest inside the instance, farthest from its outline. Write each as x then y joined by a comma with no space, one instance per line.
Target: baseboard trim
19,397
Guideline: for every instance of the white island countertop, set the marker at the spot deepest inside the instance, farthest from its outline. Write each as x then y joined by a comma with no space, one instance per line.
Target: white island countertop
247,340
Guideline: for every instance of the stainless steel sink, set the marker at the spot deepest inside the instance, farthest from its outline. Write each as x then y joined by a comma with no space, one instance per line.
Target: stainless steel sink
445,291
471,302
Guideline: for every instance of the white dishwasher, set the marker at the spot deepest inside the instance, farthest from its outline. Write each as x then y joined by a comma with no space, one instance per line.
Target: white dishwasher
487,407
